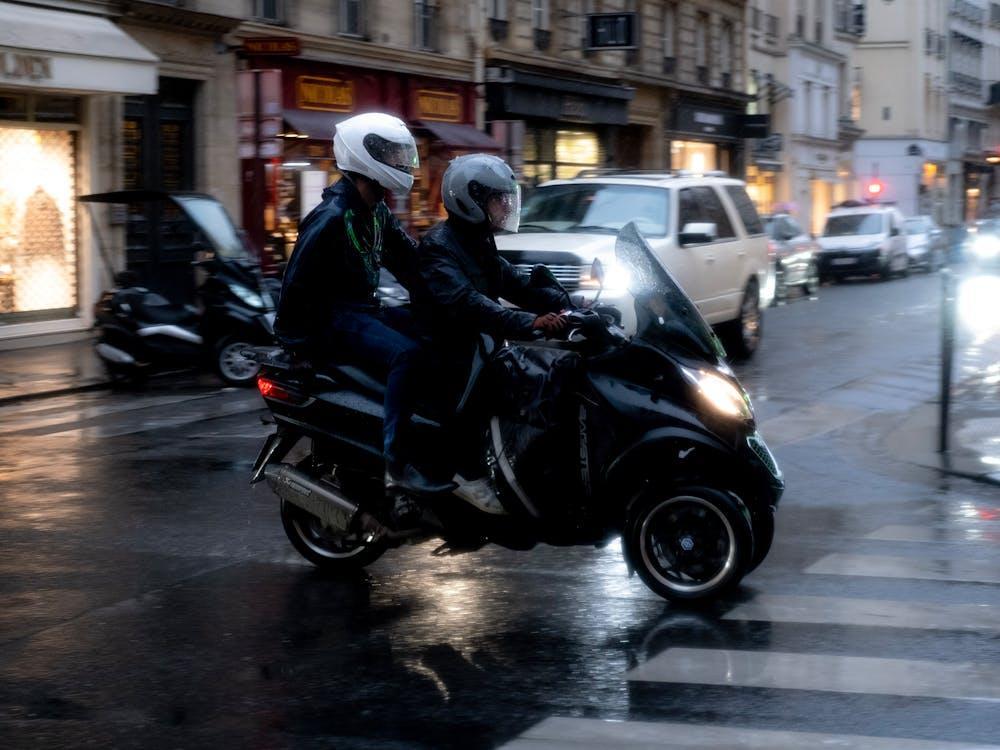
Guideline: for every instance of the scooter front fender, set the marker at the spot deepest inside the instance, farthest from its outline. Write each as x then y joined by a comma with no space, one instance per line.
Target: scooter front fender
679,454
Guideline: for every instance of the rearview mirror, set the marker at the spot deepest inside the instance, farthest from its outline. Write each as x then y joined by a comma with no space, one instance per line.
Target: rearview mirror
698,233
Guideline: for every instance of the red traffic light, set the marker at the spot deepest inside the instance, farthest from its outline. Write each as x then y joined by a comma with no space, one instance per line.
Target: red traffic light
875,189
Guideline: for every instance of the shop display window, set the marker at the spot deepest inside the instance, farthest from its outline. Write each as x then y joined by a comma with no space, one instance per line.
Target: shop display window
694,156
559,154
38,254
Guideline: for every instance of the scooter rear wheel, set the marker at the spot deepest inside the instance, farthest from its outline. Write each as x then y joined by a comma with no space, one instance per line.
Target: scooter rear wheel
328,550
688,543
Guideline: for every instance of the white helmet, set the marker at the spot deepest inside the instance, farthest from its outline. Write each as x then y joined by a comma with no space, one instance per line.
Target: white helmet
378,146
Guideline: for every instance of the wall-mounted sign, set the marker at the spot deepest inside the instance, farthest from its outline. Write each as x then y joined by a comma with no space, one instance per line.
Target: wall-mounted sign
17,66
440,106
612,30
285,46
325,94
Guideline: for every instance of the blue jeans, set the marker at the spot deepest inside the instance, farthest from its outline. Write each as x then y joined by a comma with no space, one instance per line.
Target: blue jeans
385,344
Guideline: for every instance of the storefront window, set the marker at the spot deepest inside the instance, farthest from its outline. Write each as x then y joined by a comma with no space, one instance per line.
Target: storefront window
694,156
37,220
761,188
559,154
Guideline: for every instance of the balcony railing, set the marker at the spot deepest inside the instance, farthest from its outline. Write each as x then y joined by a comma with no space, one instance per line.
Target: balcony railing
543,39
499,29
669,66
966,84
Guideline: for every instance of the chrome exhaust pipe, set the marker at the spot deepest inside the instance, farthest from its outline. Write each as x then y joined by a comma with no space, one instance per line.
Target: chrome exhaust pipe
318,498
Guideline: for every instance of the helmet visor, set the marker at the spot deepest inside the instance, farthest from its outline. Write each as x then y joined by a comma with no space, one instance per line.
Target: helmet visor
504,210
401,156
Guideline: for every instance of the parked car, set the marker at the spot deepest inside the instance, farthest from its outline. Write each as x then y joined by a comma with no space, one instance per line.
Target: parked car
703,228
794,251
982,244
862,239
925,243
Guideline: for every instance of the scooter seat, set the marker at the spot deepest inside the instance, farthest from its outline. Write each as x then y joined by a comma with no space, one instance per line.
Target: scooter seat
355,378
152,308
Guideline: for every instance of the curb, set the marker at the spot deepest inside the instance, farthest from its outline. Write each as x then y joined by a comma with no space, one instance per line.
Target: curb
68,390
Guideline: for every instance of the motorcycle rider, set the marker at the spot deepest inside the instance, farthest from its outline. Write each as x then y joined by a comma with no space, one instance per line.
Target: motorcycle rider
464,275
328,307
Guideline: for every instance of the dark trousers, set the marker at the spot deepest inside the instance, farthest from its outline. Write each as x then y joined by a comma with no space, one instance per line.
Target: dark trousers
385,343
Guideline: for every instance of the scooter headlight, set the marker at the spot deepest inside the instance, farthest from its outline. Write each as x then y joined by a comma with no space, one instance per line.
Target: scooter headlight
720,394
248,296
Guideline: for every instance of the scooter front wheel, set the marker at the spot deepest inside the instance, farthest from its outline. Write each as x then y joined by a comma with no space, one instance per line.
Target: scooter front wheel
328,550
688,543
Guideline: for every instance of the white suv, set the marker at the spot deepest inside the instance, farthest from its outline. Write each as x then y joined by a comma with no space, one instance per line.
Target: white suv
703,228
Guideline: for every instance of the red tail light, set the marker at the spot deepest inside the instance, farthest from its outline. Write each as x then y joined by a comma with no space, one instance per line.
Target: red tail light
269,389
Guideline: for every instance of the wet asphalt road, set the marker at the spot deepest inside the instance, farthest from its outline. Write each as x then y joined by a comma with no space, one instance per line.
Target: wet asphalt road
148,597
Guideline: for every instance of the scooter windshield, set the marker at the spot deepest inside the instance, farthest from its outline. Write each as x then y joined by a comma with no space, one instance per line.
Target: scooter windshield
211,218
665,316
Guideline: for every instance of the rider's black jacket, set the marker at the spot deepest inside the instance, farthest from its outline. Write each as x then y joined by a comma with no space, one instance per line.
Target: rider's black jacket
464,277
341,246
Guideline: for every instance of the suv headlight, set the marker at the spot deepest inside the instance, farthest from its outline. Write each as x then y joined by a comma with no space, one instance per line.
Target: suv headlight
986,247
720,394
248,296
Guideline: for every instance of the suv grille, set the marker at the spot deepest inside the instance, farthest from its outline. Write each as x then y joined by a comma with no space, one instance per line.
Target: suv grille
568,275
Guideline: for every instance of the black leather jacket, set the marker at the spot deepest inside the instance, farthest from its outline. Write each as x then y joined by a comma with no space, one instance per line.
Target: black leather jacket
464,277
341,246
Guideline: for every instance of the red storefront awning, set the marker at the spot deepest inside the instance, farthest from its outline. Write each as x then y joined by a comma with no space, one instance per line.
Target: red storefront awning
460,137
315,125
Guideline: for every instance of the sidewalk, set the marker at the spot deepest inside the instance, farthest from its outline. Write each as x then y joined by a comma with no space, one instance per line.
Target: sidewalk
975,421
50,370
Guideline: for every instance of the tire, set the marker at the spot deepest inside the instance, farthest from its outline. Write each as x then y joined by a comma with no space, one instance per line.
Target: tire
743,334
885,272
763,537
811,286
934,264
780,287
905,270
688,543
331,553
230,366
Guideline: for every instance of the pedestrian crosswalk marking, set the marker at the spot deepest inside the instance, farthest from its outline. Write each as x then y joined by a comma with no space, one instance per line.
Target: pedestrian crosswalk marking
970,532
882,566
822,610
557,733
822,672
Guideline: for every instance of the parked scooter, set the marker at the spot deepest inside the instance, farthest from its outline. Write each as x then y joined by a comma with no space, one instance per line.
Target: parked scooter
140,331
649,438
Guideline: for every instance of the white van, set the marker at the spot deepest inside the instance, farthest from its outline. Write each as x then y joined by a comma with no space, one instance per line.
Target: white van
861,240
703,228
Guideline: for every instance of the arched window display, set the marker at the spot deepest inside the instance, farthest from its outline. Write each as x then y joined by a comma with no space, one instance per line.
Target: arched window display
38,254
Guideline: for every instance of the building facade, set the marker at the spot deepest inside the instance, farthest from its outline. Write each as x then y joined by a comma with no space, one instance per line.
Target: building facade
558,106
802,75
969,123
902,81
65,70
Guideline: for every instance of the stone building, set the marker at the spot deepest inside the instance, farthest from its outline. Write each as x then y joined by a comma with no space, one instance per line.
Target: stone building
802,74
674,101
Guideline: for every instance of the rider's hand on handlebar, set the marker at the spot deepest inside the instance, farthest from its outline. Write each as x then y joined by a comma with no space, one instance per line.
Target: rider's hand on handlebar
549,323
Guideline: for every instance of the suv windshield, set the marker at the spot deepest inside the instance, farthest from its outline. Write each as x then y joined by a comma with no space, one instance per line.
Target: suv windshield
596,208
665,316
852,224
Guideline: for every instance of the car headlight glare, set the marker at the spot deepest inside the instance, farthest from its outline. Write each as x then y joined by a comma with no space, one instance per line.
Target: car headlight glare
986,247
720,394
248,296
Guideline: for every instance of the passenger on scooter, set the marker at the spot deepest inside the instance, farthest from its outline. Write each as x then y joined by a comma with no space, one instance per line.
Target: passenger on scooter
329,308
464,275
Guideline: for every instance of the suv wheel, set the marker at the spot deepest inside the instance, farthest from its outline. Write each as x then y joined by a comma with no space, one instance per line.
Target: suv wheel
742,336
